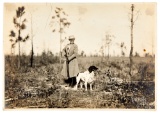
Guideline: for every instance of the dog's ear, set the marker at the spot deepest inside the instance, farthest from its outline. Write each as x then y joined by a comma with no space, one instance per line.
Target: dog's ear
92,68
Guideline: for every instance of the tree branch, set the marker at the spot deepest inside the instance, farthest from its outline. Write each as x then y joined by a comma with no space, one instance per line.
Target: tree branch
137,15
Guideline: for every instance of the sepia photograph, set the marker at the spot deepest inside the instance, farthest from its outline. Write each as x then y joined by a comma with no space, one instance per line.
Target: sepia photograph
80,55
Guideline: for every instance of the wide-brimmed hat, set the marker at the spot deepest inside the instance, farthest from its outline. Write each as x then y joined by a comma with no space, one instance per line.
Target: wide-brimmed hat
71,38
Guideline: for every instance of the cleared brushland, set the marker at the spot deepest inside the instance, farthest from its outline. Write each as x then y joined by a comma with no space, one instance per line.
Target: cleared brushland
42,86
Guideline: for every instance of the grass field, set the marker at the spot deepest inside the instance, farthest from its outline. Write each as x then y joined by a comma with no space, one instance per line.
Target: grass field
43,87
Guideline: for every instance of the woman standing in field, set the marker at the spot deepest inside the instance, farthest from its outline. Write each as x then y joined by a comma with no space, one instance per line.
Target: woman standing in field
70,66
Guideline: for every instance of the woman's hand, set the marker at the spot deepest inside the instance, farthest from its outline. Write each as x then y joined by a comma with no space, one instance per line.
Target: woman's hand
66,60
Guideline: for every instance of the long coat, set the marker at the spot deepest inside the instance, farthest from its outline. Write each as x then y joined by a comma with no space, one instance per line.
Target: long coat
71,50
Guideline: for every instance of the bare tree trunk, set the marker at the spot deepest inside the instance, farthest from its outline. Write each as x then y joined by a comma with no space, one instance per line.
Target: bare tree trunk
19,62
19,57
108,51
19,41
11,58
152,47
60,54
32,52
131,51
122,51
105,53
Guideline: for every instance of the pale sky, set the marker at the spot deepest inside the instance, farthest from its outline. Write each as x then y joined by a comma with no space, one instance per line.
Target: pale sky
89,23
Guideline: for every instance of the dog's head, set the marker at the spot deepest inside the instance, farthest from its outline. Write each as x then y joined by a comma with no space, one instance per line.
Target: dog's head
92,68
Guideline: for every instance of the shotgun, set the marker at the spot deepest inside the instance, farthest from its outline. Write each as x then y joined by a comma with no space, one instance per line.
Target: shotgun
67,63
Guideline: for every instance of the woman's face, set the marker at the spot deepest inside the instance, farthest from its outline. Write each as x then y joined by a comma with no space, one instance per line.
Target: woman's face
71,41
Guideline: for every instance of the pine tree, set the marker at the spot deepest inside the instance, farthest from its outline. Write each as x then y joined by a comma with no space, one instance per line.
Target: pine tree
63,23
20,25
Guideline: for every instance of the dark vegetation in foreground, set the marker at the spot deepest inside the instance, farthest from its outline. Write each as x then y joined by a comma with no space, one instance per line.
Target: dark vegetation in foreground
42,85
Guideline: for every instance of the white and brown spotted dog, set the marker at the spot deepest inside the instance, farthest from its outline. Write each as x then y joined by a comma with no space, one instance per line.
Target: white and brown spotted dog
88,77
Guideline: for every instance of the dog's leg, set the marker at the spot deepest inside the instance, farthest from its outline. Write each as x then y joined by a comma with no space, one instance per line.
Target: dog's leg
75,87
81,84
85,86
91,86
77,81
